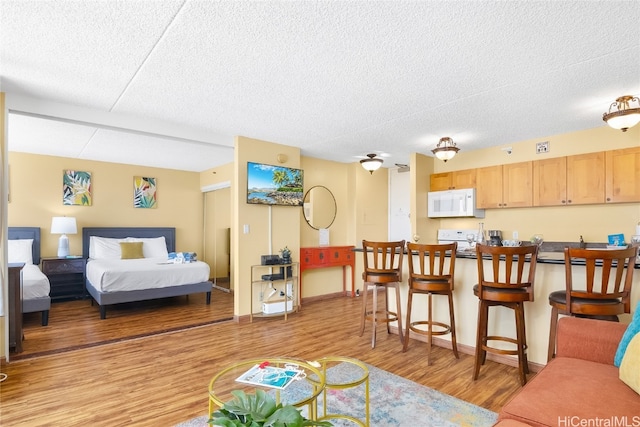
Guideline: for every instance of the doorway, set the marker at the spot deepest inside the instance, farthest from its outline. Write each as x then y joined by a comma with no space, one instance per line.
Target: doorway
217,237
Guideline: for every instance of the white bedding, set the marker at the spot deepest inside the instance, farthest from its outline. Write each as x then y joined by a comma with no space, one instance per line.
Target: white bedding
113,275
34,283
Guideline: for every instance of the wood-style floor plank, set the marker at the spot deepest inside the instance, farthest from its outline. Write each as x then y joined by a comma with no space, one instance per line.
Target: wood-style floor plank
162,379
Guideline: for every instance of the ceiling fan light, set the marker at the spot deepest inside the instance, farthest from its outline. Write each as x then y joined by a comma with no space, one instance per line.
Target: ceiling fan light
372,163
621,115
446,149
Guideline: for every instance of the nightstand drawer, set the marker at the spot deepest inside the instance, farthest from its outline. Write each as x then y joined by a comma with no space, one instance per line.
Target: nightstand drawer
66,277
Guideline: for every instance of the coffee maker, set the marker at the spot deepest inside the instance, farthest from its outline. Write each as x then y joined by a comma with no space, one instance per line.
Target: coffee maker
495,238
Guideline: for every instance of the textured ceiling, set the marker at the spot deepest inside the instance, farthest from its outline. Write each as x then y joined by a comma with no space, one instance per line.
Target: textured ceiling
339,79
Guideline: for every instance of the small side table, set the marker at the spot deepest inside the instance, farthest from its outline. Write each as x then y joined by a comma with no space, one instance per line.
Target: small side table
66,277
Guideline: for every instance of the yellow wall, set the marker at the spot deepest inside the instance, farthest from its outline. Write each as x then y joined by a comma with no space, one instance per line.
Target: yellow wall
4,339
36,196
562,223
270,228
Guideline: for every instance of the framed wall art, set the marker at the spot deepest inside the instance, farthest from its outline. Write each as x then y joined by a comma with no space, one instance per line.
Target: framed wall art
76,188
144,192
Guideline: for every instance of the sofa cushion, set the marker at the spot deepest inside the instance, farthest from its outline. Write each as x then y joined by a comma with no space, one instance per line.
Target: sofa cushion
632,330
630,366
568,388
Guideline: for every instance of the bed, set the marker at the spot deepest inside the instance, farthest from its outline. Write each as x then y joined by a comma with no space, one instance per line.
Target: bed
24,247
110,280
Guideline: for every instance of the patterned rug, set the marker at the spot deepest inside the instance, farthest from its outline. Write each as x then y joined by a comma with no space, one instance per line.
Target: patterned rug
394,401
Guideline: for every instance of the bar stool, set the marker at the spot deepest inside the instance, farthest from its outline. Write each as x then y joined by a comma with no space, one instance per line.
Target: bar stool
600,299
507,286
431,272
382,270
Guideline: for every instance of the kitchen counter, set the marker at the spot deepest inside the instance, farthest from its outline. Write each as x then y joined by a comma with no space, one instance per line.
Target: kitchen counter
543,258
550,277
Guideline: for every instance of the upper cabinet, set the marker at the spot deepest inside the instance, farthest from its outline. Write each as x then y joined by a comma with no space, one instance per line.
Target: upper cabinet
572,180
453,180
623,175
602,177
504,186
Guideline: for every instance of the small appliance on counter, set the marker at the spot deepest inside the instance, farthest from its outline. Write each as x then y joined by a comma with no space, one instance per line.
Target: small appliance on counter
495,238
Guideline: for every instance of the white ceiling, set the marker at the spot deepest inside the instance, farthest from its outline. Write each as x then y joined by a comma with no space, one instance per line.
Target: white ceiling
339,79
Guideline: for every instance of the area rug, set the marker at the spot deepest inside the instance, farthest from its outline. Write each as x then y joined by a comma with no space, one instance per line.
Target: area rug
394,401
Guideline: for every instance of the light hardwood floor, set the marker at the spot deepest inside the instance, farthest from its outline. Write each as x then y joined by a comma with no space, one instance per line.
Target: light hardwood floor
162,379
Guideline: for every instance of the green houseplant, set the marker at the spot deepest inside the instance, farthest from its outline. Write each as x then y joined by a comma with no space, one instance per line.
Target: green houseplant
259,410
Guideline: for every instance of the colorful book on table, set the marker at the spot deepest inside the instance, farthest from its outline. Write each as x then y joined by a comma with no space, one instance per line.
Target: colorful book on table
270,376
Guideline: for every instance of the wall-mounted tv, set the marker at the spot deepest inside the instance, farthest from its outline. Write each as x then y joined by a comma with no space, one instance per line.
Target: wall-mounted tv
274,185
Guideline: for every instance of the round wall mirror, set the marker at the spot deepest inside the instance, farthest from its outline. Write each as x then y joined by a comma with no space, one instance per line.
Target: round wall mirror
319,207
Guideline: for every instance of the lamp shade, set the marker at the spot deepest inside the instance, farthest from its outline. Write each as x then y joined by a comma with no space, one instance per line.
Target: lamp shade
63,225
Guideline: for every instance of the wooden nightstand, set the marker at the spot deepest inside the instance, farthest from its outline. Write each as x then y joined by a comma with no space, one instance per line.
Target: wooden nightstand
66,276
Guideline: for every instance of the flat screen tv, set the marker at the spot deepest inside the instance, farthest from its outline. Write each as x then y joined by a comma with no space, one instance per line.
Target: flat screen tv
274,185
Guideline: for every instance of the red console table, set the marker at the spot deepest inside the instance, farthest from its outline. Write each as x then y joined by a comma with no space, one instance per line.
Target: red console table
329,256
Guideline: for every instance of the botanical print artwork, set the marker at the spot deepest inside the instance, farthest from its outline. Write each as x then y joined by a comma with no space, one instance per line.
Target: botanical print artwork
76,188
144,192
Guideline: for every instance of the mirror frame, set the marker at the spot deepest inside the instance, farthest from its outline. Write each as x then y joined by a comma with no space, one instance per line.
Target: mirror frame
335,206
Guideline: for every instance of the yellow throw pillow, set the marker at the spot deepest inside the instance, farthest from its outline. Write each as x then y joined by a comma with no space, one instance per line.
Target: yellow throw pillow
131,250
630,366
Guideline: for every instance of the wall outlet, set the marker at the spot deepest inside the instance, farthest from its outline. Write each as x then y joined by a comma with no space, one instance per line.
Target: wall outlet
515,235
542,147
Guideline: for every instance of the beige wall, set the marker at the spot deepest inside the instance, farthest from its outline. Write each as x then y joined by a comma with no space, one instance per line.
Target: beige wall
270,228
36,196
4,339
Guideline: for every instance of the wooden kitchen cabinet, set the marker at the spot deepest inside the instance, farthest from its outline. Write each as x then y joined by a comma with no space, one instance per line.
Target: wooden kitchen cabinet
505,186
453,180
622,175
571,180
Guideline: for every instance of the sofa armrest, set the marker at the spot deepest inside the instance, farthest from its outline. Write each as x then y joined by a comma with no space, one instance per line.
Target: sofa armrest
589,339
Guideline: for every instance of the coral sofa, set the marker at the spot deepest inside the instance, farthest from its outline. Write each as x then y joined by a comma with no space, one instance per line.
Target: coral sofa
580,385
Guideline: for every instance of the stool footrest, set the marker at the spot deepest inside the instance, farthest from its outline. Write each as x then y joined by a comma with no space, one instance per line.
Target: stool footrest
382,316
495,350
446,328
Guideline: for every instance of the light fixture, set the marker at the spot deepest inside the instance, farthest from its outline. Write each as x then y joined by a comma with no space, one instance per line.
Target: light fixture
623,117
63,225
446,149
372,163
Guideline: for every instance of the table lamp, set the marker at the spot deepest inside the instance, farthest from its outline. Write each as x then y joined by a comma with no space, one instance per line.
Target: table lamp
63,225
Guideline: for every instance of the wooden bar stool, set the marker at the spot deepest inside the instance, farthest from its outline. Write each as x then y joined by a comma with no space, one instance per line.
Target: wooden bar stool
431,272
507,286
382,270
605,292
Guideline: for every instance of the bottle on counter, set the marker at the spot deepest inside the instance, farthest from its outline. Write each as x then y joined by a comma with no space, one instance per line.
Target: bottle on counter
481,238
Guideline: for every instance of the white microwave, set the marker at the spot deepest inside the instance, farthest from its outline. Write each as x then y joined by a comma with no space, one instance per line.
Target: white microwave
453,204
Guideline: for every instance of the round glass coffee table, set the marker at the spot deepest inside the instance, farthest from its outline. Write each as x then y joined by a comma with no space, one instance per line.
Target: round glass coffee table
304,382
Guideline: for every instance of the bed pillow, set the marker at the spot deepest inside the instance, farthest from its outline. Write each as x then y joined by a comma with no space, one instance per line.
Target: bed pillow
630,366
131,250
153,247
104,248
20,251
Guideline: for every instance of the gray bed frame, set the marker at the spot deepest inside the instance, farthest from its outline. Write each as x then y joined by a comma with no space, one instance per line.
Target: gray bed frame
42,304
106,298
